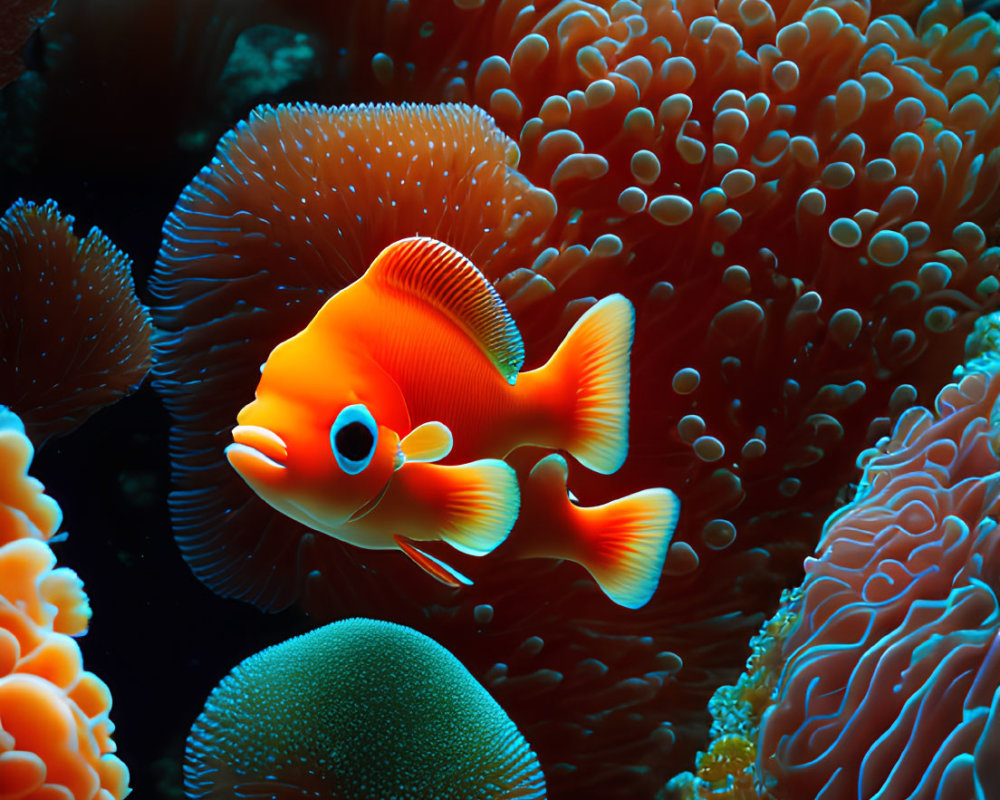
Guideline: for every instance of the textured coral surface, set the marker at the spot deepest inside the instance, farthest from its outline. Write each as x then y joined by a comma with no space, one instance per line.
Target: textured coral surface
890,685
356,710
55,734
799,202
884,680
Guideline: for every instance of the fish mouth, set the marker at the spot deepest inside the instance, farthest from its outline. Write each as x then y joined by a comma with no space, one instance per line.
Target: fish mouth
368,507
261,446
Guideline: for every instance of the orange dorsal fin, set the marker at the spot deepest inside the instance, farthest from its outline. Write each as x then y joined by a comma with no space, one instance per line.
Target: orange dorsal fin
445,279
434,567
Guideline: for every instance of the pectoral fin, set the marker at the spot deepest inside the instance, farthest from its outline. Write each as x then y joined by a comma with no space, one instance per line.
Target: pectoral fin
434,567
428,442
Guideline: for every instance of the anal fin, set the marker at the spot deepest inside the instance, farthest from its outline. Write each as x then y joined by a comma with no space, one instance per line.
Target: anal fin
623,544
434,567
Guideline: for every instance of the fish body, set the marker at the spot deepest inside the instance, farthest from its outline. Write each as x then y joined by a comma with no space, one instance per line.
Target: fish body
416,362
426,362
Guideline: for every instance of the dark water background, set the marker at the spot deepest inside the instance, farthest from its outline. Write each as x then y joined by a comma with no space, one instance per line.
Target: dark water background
159,638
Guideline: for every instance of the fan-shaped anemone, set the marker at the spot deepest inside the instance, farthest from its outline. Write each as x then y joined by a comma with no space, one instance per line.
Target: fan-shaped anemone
296,205
74,336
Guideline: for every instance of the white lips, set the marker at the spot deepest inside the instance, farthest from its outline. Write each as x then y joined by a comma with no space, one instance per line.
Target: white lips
235,450
260,444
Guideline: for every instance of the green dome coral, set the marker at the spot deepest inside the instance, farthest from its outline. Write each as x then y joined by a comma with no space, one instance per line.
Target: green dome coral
357,710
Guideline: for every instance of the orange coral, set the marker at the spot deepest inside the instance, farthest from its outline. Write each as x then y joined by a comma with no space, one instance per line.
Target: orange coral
55,734
75,337
26,512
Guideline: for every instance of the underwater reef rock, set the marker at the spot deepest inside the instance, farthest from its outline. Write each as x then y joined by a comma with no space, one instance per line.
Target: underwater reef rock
356,710
800,202
880,676
75,337
20,19
55,733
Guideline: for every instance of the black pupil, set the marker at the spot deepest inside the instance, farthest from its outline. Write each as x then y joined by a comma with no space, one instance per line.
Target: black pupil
354,441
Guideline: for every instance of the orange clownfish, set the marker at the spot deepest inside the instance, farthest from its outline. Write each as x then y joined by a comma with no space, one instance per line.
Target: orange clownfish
419,360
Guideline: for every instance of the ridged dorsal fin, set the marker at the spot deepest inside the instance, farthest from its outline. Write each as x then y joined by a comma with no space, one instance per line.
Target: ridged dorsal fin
443,277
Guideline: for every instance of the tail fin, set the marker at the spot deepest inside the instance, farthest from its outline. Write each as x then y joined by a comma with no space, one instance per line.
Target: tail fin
594,357
622,544
628,544
481,503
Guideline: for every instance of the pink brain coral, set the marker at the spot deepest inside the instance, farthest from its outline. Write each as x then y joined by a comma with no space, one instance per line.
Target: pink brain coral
890,684
883,670
55,734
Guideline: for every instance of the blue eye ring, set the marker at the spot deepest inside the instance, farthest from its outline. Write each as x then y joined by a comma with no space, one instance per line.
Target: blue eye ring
353,437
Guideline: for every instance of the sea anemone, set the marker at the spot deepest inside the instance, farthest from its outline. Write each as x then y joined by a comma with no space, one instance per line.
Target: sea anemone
55,734
799,202
357,709
74,336
878,677
802,200
354,180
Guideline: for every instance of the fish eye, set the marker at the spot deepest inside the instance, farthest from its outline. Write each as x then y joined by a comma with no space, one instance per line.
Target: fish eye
352,437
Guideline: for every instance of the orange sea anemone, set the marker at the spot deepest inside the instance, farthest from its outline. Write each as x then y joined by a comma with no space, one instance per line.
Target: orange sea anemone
55,734
357,179
73,337
804,199
355,710
800,203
